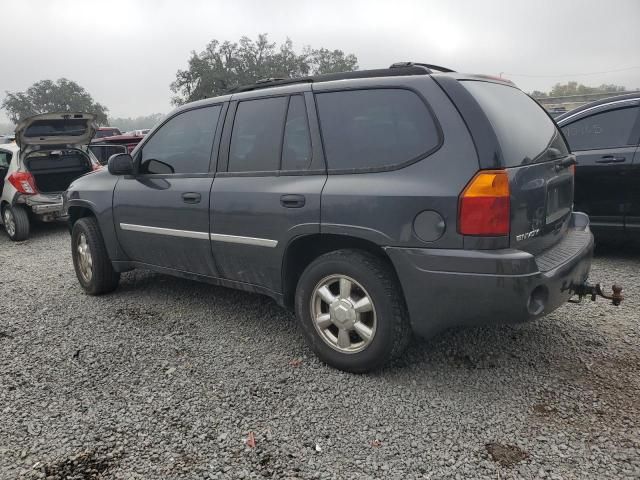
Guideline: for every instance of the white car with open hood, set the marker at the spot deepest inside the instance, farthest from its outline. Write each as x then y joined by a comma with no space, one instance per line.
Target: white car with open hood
50,152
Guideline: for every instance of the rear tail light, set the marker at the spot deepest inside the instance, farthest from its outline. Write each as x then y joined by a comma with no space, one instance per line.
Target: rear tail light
484,205
96,166
23,182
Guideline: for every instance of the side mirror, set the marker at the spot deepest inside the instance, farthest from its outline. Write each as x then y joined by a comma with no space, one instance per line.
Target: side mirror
120,164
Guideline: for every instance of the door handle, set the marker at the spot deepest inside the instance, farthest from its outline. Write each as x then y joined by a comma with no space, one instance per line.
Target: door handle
191,197
292,201
610,159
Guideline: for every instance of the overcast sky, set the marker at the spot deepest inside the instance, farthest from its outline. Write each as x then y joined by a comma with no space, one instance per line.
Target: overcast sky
126,53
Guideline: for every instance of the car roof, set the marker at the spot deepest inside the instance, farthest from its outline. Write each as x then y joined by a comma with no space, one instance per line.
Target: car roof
355,78
12,147
627,97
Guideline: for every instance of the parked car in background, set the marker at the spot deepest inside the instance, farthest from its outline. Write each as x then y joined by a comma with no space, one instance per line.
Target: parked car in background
138,133
104,147
7,139
373,203
49,153
106,132
604,136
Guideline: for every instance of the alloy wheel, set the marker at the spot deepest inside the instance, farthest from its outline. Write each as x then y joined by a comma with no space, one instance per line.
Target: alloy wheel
85,260
9,222
343,314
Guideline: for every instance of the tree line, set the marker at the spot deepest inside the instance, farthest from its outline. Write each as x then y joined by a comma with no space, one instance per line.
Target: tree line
220,67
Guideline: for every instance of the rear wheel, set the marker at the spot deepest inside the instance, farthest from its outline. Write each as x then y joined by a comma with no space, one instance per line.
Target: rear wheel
352,312
90,260
16,222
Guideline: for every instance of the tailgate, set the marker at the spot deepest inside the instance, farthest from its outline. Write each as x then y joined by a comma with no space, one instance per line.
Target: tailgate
535,155
541,204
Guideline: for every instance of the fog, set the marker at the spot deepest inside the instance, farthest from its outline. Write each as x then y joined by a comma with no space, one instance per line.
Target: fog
126,53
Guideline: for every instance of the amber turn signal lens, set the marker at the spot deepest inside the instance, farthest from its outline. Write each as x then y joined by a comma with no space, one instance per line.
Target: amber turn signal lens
484,207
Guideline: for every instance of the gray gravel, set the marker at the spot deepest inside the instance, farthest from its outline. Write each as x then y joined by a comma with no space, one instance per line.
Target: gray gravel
167,378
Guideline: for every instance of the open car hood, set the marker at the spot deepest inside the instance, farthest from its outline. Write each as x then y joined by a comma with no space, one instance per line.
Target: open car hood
64,128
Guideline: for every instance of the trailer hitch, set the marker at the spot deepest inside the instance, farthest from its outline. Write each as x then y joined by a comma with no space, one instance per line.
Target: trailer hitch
593,291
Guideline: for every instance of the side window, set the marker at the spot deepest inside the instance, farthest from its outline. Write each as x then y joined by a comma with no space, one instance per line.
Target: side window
256,138
183,144
374,128
296,146
602,130
5,159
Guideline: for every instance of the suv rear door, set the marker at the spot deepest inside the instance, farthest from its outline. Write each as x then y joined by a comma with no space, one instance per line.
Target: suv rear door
602,141
267,189
162,212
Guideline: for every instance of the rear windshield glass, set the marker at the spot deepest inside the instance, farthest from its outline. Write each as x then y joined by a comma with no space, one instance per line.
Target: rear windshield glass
57,128
524,130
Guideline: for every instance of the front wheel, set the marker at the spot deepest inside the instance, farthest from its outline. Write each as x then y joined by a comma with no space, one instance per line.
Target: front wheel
90,260
16,222
352,311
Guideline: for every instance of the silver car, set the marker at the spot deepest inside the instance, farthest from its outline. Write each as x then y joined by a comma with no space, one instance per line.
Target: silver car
49,152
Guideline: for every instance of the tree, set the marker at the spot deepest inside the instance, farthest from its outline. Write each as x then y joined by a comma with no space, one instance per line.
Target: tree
137,123
575,88
225,65
47,96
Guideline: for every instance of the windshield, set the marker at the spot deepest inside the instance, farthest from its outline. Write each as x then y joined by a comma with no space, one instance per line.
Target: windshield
524,130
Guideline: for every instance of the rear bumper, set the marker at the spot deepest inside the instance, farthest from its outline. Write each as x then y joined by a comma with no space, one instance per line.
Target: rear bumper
43,204
448,288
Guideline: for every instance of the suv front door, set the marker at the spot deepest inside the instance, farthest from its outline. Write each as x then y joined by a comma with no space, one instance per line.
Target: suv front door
269,189
162,212
603,144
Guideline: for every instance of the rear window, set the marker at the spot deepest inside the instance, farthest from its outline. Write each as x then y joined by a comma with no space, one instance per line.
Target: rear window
71,127
523,128
375,128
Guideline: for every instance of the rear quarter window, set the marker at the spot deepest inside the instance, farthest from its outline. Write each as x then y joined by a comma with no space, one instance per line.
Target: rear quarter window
375,128
524,130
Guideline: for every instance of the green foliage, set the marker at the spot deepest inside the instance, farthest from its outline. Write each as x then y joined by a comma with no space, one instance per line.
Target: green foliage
137,123
575,88
47,96
222,66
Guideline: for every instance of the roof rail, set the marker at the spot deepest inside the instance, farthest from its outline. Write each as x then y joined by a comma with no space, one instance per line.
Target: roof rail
396,70
427,66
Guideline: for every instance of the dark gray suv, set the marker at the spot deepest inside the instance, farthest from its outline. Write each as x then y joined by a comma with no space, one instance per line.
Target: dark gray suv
375,203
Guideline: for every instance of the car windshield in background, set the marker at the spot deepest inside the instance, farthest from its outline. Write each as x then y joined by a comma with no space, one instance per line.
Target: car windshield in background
57,128
523,128
106,133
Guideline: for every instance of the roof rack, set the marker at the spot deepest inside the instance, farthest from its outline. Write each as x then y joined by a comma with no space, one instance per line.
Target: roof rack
427,66
395,70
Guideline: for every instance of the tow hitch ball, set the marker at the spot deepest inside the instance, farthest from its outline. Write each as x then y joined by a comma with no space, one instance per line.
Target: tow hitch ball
587,289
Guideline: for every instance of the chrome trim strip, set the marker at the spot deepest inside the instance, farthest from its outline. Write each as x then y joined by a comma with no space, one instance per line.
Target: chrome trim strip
164,231
218,237
260,242
633,102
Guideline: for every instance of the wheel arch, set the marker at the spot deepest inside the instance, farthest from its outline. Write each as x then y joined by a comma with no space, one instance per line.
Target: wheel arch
303,250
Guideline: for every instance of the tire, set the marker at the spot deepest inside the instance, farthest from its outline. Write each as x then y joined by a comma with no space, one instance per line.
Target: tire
93,266
16,222
387,321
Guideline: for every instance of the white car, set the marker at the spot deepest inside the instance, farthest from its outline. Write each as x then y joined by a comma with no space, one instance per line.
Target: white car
50,152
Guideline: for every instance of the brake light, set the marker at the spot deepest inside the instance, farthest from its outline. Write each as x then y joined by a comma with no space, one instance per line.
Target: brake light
23,182
572,169
484,205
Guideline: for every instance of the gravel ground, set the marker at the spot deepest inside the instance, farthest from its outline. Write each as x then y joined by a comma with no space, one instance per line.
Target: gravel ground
168,378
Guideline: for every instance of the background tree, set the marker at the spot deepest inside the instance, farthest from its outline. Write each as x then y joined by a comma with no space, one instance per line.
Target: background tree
48,96
575,88
224,65
135,123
